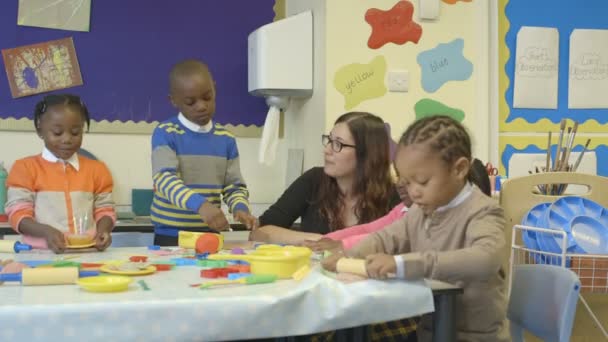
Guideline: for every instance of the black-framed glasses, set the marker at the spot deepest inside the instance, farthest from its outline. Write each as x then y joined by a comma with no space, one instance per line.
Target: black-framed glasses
336,145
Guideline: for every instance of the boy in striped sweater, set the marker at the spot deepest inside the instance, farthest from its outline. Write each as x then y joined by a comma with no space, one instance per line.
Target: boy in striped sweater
195,162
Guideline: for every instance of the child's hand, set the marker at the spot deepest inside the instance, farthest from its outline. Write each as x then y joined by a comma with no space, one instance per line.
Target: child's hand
55,240
250,221
103,240
330,263
103,233
213,216
323,244
380,265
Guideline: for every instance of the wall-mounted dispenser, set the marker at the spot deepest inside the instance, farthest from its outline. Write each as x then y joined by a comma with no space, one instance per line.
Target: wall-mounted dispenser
280,59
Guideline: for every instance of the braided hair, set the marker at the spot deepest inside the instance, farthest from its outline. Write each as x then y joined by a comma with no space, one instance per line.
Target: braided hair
450,139
60,99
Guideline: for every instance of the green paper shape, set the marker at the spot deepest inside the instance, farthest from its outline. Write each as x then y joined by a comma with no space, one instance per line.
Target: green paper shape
428,107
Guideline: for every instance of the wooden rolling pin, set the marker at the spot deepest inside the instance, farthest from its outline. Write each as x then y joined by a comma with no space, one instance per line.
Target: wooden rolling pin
354,266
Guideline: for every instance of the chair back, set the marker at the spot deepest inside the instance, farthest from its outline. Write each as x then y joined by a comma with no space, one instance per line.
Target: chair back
543,301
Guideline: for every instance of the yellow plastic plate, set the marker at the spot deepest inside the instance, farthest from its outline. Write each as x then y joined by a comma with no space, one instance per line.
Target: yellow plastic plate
86,245
105,283
108,269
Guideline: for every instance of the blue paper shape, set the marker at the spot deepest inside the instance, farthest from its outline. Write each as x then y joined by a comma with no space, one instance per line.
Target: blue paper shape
444,63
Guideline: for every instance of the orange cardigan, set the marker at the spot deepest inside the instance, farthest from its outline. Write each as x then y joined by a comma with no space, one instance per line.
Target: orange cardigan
58,195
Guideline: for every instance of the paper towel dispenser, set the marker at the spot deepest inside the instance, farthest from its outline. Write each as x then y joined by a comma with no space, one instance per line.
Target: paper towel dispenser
280,58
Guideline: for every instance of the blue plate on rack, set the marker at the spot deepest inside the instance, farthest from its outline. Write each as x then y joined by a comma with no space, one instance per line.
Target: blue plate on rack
556,221
534,218
563,211
571,206
590,234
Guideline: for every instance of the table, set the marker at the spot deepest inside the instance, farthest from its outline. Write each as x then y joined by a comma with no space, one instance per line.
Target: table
172,310
444,316
137,225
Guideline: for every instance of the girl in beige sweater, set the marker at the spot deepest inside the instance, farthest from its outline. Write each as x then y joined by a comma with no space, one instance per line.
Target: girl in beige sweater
453,232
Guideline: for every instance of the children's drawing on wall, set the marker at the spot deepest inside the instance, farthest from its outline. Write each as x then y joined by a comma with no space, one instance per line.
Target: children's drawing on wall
60,14
452,2
393,26
537,60
588,72
429,107
38,68
360,82
442,64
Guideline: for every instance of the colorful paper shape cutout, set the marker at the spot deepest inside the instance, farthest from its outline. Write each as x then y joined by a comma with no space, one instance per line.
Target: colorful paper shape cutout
71,15
393,26
452,2
444,63
391,143
360,82
42,67
428,107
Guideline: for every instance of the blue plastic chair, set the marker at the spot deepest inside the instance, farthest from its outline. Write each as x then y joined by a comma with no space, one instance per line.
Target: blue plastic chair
543,301
87,154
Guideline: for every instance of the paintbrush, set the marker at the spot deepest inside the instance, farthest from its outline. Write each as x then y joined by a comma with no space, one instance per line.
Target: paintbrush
547,162
562,149
562,127
565,161
580,156
252,279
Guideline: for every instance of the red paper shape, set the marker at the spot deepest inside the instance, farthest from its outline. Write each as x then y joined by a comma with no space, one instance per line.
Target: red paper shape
393,26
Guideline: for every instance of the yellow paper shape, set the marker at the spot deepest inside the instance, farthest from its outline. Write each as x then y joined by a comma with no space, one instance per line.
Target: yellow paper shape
360,82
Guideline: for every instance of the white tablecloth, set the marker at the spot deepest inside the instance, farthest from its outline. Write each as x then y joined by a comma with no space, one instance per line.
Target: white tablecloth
173,311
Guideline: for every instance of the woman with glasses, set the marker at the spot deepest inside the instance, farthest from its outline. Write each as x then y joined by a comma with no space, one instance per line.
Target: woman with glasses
354,186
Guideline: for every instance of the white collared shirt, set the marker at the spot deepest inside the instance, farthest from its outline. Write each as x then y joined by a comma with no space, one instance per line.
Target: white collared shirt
193,126
49,156
462,195
466,191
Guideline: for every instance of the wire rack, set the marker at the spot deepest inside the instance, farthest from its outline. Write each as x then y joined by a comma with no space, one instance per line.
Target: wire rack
592,269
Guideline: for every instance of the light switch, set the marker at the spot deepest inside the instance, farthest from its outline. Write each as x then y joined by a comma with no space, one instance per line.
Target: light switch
398,80
428,9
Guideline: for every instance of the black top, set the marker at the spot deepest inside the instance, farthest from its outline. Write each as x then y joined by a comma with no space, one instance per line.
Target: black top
297,201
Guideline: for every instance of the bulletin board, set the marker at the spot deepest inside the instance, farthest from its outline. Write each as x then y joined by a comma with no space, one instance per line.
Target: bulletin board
126,56
565,16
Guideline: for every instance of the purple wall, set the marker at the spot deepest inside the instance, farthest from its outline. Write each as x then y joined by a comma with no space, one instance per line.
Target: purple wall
127,55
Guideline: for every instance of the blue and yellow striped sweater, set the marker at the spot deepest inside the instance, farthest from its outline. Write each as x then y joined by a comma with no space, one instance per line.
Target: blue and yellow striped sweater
190,168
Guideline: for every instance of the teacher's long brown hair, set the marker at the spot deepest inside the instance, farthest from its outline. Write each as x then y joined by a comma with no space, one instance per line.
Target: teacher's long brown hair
373,182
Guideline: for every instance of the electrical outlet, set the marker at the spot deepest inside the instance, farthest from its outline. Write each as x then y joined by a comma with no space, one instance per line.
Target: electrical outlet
398,80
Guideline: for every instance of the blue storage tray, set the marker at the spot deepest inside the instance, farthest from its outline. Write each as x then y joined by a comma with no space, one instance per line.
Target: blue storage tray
560,217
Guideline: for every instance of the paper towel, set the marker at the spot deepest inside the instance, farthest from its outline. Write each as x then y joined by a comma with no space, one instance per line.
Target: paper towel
270,136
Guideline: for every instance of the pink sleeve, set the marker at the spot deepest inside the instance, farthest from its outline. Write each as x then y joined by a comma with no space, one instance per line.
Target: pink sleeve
364,229
350,241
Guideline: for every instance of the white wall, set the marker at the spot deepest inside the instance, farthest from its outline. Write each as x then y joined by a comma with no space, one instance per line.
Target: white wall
305,118
128,158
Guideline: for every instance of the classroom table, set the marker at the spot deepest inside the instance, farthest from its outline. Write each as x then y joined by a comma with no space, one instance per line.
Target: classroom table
172,310
137,225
